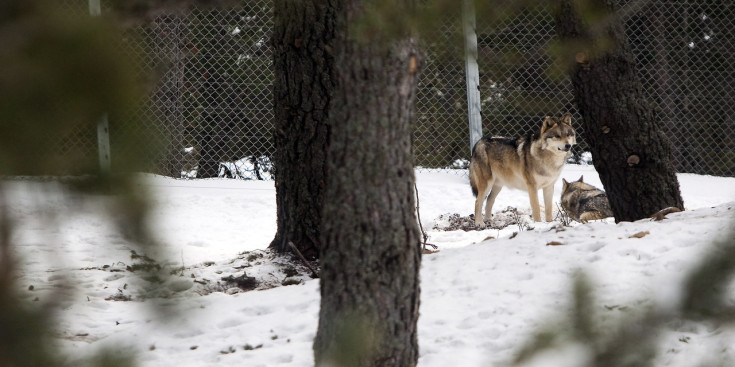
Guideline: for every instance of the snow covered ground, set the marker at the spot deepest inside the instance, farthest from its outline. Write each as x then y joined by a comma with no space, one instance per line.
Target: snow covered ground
481,299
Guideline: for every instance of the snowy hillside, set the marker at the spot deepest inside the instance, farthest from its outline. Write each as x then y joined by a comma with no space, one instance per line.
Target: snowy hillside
483,294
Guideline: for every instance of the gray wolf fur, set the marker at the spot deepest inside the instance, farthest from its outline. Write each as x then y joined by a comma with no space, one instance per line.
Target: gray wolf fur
528,163
584,202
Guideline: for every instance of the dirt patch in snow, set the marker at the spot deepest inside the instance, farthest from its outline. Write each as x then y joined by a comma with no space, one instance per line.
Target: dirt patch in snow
144,277
507,217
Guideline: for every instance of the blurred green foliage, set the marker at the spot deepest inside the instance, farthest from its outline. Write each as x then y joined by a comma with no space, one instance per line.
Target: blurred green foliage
60,73
633,337
354,341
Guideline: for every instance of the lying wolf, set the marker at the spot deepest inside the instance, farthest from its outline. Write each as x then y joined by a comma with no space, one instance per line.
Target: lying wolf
584,202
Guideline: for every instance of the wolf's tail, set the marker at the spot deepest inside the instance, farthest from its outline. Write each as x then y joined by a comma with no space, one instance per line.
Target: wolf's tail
588,216
474,166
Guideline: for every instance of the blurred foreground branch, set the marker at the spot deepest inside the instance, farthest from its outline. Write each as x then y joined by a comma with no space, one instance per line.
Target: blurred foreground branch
633,338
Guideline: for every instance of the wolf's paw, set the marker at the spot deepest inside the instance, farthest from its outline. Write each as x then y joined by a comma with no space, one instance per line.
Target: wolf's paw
479,222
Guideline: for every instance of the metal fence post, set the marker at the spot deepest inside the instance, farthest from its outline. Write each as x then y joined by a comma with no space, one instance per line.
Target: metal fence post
103,126
471,72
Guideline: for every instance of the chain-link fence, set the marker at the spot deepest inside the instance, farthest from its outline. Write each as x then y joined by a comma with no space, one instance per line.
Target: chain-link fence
684,52
212,101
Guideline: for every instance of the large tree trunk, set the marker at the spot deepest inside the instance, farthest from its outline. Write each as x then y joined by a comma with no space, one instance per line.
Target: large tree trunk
371,249
304,81
629,150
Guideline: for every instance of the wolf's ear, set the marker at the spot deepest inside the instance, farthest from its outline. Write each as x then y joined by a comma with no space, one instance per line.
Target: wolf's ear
581,179
548,124
564,185
567,119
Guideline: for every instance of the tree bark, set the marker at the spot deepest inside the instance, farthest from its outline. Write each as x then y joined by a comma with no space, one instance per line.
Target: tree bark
304,82
629,150
371,248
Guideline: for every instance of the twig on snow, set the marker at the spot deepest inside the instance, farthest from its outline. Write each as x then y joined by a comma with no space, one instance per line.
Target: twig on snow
418,215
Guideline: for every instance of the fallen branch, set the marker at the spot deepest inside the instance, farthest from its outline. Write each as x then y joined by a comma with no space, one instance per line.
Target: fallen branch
297,252
661,214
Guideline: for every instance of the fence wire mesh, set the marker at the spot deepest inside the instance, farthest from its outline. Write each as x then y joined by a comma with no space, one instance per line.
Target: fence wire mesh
212,102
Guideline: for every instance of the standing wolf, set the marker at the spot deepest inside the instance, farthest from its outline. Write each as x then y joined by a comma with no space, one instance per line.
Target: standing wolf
528,163
584,202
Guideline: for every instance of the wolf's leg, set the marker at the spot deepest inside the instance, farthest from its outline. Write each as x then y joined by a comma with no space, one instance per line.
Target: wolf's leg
535,209
548,197
483,189
491,199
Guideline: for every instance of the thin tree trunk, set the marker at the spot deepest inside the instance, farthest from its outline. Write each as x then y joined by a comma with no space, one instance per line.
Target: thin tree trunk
168,32
371,242
303,86
629,149
665,88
